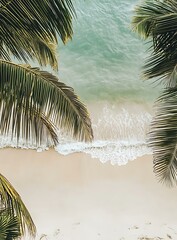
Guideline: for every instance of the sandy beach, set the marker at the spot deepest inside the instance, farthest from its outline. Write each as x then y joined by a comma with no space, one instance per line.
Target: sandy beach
77,197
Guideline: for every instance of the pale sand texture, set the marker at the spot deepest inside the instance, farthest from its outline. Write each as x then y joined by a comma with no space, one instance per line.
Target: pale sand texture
76,197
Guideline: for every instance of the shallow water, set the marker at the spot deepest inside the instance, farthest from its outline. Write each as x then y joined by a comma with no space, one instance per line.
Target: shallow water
104,59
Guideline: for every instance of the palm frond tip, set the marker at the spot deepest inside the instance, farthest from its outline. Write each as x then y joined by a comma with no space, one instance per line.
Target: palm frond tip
10,200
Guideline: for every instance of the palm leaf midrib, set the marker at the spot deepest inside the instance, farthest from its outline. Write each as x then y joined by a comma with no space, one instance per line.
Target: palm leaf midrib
5,5
46,80
56,111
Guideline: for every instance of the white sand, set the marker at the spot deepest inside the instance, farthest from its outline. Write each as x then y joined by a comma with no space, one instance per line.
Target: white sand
76,197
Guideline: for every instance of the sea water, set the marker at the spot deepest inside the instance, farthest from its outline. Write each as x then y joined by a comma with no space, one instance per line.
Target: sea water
103,63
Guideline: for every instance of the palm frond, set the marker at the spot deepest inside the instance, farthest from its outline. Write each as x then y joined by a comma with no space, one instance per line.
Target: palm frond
163,137
33,104
159,66
29,28
11,201
9,226
28,48
43,16
156,20
150,16
146,15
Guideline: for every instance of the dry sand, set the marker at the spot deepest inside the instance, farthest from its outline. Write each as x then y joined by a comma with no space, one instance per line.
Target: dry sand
76,197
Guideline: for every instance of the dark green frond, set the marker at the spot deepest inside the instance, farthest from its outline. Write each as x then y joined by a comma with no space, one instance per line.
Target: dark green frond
163,137
28,29
158,21
28,48
150,15
159,66
11,201
9,226
42,16
145,17
33,104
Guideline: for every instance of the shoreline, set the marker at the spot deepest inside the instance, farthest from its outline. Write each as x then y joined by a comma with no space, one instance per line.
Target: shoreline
120,131
78,197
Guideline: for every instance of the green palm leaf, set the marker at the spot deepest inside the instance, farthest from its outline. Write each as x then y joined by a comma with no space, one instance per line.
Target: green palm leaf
9,226
25,45
150,14
157,20
33,104
11,201
27,26
163,137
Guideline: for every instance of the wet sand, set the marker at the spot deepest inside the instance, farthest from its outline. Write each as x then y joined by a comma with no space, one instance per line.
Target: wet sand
76,197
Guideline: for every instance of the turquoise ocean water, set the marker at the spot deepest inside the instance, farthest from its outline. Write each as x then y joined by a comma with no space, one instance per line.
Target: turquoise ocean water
104,59
103,64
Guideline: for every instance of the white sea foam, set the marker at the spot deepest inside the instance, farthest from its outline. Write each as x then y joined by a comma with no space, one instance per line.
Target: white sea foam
116,152
120,136
9,142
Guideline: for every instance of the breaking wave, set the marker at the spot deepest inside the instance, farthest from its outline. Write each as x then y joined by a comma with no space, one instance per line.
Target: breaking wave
120,136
